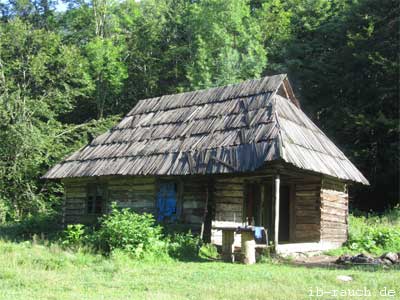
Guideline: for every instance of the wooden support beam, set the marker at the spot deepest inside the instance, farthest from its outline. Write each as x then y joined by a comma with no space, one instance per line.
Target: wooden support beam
261,208
205,211
277,200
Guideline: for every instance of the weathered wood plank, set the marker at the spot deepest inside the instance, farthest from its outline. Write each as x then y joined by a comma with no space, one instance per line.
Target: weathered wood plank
232,201
231,187
334,211
315,219
193,204
227,193
227,207
308,227
315,194
333,205
325,217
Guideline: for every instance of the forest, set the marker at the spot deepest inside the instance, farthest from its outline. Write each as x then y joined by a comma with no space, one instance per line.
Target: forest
70,70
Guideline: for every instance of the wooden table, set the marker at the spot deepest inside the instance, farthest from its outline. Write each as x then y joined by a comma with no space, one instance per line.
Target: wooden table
248,244
228,243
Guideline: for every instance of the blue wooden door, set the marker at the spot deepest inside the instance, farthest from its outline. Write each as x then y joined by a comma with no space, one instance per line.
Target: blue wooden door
166,202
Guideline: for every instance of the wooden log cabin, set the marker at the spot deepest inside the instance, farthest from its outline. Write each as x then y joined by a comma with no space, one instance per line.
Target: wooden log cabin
225,156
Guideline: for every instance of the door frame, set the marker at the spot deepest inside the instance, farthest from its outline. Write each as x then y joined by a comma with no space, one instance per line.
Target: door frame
267,192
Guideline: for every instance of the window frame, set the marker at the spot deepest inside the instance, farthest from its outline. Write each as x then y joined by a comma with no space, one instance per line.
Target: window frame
95,199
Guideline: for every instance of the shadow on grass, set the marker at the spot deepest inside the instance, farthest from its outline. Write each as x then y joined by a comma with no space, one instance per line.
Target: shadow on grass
334,266
45,227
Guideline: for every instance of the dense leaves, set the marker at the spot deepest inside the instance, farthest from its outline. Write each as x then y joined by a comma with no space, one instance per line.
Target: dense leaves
375,233
123,229
67,75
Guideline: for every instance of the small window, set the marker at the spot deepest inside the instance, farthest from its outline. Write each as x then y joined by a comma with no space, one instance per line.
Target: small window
167,202
95,200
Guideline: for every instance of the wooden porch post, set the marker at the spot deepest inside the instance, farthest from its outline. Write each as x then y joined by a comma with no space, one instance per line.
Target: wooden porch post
277,200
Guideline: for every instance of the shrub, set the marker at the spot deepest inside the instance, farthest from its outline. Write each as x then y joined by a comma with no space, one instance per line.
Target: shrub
376,240
184,246
74,236
375,233
129,231
208,251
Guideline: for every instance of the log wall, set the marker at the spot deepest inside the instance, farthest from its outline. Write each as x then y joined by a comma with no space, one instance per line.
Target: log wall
194,193
334,211
307,211
75,200
138,194
228,199
319,207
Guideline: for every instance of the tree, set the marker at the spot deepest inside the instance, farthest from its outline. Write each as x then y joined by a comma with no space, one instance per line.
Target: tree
94,28
228,44
39,81
343,57
105,55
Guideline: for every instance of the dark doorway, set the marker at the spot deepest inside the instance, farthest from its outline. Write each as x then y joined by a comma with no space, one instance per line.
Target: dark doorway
259,209
284,214
253,204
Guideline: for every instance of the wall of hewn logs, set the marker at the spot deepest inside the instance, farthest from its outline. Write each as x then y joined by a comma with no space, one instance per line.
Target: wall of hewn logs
307,211
137,193
228,200
193,201
74,206
334,211
319,208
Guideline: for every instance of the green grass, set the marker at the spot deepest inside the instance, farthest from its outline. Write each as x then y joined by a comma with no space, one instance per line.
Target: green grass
31,271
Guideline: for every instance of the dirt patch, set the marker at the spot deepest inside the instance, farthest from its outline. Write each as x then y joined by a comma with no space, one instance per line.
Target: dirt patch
320,260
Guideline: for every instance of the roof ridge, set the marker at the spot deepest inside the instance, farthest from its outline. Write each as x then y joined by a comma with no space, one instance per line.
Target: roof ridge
282,75
242,89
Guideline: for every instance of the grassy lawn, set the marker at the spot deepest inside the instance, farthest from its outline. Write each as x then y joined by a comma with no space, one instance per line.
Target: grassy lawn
47,272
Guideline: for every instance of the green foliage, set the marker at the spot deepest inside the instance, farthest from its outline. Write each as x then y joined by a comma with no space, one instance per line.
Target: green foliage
208,251
228,44
74,236
136,235
39,80
184,246
44,225
375,233
129,231
107,70
343,58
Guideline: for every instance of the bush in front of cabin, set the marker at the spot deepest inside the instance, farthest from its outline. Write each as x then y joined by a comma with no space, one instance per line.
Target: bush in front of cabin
136,235
75,236
129,231
184,246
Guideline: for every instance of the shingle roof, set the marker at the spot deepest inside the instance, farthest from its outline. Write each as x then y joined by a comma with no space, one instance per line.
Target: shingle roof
235,128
